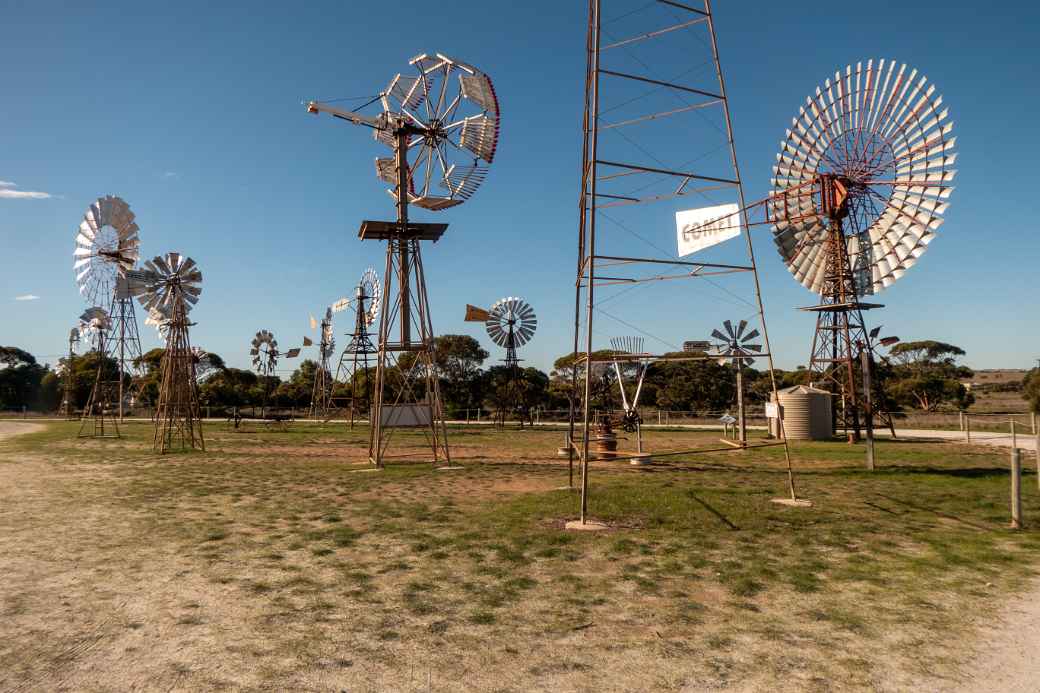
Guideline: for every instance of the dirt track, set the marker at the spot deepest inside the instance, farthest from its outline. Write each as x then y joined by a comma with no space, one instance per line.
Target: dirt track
15,428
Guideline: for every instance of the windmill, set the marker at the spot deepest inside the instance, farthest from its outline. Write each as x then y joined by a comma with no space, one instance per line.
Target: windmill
97,324
354,359
321,392
265,353
630,354
106,254
441,122
66,399
859,189
172,287
510,322
737,348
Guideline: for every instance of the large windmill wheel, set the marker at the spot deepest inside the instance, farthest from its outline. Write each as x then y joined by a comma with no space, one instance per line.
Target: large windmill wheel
455,106
879,134
107,245
511,322
264,350
170,280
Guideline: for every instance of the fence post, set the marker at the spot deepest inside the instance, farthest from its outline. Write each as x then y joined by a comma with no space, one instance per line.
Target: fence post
960,419
1016,489
659,418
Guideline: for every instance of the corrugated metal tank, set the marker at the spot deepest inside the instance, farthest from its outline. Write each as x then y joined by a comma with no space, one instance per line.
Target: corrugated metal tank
807,413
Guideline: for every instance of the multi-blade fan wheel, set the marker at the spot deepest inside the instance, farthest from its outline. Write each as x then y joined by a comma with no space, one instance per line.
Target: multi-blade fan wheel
515,313
456,107
107,244
264,350
737,347
882,133
170,280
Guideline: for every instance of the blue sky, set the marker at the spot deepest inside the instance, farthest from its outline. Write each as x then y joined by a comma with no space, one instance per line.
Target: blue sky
192,113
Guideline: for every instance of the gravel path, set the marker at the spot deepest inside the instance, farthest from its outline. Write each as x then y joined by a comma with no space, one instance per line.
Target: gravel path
15,428
1006,660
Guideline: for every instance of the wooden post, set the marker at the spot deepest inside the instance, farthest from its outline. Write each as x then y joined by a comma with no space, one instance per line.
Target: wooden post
1016,489
741,429
868,415
1014,441
1036,442
960,419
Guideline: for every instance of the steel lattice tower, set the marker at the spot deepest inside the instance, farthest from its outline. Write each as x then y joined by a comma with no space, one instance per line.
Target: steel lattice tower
178,421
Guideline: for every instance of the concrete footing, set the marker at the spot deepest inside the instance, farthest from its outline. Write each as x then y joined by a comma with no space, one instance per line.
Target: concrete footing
794,502
587,526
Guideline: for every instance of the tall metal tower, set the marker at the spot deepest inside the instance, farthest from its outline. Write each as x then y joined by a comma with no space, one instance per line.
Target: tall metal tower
66,398
354,361
321,390
107,249
174,284
96,421
656,130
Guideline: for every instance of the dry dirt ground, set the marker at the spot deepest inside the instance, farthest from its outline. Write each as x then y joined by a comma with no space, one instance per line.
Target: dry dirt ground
269,564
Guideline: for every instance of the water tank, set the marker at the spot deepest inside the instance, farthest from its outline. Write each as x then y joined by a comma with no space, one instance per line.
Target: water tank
807,413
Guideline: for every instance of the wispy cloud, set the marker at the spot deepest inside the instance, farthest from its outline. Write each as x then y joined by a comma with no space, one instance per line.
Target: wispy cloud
171,174
27,297
8,192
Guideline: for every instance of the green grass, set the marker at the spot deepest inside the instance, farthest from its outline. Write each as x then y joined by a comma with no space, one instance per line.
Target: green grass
697,559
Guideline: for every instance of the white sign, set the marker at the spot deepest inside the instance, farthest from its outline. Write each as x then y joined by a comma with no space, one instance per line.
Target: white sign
772,410
697,229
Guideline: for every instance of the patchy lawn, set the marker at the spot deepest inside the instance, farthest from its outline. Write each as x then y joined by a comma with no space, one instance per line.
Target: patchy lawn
269,562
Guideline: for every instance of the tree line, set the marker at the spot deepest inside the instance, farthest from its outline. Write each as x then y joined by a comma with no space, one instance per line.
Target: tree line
923,375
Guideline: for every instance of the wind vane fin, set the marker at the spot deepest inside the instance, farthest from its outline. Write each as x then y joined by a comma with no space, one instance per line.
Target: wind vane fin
475,314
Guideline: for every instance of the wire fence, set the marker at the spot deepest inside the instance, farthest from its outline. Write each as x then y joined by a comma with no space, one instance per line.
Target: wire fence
974,425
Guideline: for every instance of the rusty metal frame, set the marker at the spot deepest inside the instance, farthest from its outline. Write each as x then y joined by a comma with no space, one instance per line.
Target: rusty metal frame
589,256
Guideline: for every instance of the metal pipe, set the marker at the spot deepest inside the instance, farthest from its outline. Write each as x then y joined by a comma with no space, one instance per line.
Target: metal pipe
594,122
1016,489
869,413
747,237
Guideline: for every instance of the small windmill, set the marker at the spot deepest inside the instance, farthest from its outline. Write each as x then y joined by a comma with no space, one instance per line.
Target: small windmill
321,392
736,348
66,400
510,322
355,356
265,353
107,249
173,285
629,350
441,122
97,323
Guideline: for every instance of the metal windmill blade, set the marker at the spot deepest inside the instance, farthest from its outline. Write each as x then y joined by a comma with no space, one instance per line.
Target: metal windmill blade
736,345
107,245
627,345
170,280
371,291
883,132
159,317
94,320
455,111
511,318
